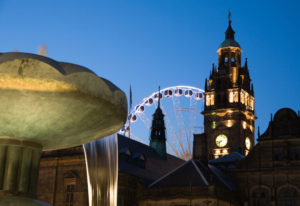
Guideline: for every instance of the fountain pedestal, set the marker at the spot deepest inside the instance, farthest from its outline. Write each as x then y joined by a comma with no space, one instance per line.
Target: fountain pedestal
19,168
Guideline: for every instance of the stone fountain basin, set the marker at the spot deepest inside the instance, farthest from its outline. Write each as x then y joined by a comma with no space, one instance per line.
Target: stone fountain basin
56,104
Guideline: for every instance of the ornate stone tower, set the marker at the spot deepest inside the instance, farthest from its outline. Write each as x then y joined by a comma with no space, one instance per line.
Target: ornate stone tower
229,102
158,136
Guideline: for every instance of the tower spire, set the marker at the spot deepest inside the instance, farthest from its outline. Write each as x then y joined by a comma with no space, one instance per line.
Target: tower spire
158,96
229,34
158,136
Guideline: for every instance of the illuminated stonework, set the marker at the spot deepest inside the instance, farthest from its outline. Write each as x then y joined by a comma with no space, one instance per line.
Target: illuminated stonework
213,125
244,124
247,100
220,152
229,123
230,101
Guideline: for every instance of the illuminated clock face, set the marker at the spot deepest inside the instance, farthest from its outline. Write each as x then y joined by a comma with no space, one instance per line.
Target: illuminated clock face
221,140
248,143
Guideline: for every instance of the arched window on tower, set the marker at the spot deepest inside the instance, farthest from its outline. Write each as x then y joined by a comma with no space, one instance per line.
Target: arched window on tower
233,62
288,196
260,197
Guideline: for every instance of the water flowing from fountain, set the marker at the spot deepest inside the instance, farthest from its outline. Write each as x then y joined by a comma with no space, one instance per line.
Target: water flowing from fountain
101,159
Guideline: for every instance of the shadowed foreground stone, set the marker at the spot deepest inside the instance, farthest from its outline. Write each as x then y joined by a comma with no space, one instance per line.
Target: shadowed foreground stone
48,105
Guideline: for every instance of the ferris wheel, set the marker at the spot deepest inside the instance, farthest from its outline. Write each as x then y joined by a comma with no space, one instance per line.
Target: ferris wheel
182,106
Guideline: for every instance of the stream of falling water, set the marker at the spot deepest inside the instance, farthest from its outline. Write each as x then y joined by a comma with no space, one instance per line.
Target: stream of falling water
101,159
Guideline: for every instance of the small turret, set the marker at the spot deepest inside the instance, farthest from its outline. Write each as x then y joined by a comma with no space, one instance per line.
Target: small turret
252,90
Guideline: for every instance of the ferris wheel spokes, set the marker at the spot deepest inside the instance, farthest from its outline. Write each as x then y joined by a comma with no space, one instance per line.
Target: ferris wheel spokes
180,122
180,110
193,113
145,119
170,130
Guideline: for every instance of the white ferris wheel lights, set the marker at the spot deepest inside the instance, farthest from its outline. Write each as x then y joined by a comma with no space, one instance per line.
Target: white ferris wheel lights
188,93
156,96
168,93
182,106
178,92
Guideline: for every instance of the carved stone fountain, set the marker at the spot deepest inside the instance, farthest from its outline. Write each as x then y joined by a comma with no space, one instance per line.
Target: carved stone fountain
46,105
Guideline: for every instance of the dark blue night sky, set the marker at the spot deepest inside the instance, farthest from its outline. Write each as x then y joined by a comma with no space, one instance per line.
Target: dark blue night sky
164,42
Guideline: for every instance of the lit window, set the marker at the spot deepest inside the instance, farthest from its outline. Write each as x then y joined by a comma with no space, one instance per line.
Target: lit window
235,97
230,97
244,123
252,103
242,97
213,125
246,99
229,123
251,128
207,100
212,100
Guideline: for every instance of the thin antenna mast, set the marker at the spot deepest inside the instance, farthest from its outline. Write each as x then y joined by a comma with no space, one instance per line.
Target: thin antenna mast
130,108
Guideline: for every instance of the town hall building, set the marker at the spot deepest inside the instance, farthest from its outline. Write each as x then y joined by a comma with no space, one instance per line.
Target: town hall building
227,167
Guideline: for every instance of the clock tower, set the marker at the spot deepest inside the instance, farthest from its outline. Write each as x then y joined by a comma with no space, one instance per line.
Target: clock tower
229,102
